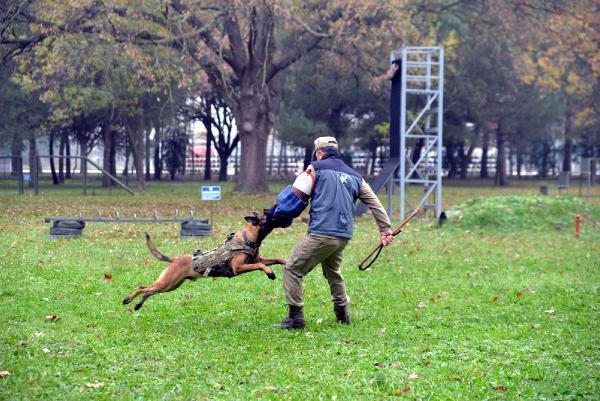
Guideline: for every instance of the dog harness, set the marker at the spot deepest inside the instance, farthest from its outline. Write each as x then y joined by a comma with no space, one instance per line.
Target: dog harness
217,262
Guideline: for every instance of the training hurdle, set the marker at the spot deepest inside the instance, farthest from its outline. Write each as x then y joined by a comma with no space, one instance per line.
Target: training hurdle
64,227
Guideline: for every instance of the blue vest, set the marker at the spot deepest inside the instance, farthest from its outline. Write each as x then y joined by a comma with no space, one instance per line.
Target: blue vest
333,199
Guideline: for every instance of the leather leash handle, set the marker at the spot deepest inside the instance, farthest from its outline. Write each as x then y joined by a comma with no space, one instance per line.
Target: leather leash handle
378,248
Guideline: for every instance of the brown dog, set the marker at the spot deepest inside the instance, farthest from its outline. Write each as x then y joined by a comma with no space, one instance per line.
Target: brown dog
239,255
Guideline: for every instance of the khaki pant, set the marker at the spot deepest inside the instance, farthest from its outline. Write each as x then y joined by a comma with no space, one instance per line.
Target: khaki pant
309,252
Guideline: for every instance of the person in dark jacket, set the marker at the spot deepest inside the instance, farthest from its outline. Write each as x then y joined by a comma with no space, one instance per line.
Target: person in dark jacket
332,189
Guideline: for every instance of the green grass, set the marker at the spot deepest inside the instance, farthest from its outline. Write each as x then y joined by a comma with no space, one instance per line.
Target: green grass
510,312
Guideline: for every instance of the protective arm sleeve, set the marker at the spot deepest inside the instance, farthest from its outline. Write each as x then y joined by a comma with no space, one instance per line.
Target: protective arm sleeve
294,198
369,198
289,205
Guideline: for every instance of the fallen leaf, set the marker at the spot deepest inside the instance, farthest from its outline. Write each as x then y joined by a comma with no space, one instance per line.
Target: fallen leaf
432,300
395,365
38,334
107,276
396,392
46,350
413,376
426,363
184,303
319,321
499,388
4,373
53,318
94,385
549,311
530,290
519,293
536,326
263,294
495,298
406,390
382,330
421,305
271,389
455,378
259,394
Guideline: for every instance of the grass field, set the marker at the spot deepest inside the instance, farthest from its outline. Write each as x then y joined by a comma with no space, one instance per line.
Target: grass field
503,304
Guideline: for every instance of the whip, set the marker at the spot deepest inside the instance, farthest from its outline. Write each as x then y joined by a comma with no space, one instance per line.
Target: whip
378,248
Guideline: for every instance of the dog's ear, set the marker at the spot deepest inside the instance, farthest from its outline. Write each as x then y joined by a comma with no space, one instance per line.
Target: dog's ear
252,219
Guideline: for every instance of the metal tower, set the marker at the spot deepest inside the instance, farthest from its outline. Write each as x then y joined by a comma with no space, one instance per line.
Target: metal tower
421,119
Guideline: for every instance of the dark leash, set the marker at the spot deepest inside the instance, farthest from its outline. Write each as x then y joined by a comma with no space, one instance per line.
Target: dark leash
377,250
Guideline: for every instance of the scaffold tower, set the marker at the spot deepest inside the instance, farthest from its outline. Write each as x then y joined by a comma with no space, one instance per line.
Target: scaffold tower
421,128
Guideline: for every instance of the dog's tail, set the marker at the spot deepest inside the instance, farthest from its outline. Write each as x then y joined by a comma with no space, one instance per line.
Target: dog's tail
155,251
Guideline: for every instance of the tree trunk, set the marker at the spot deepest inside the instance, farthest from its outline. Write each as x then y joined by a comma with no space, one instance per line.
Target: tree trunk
483,172
61,160
67,154
125,171
519,164
113,155
501,179
83,153
465,160
255,113
567,155
157,158
207,154
416,155
135,134
308,152
108,140
373,159
223,167
451,159
272,154
280,160
51,153
147,153
32,156
16,150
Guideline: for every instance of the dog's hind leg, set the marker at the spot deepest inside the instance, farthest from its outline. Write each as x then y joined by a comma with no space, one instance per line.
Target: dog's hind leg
157,288
134,294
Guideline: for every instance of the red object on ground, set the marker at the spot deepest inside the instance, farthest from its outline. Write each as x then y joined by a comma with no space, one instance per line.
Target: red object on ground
577,220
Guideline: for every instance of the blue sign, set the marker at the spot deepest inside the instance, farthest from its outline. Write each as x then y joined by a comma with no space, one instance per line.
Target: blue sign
26,177
210,193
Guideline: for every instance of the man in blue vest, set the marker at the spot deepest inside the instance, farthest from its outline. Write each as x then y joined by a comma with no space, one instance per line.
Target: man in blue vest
332,188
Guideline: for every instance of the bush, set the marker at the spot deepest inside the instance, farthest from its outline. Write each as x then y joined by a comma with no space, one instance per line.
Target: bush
514,213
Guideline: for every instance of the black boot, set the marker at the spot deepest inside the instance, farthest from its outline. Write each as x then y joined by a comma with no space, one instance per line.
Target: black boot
295,319
341,313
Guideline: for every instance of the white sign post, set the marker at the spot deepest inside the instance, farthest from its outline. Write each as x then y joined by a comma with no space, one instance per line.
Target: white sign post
210,193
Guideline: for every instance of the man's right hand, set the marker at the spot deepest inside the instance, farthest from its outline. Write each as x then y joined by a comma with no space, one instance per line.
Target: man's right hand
386,238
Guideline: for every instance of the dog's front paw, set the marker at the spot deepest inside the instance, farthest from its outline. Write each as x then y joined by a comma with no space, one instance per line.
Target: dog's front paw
126,301
271,275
